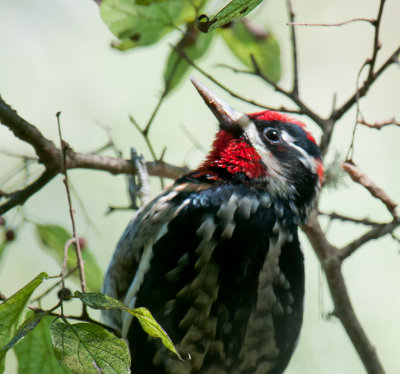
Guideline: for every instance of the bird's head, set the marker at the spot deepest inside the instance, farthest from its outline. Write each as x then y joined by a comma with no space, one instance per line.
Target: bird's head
265,150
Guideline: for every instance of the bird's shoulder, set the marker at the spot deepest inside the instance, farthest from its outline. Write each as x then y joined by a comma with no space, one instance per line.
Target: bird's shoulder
189,208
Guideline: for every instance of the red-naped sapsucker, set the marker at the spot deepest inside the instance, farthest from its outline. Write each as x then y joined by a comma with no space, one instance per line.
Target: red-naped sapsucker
216,256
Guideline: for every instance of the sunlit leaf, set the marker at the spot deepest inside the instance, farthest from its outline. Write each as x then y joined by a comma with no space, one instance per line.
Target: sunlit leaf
235,9
147,321
35,352
139,25
194,44
89,348
12,311
246,39
53,238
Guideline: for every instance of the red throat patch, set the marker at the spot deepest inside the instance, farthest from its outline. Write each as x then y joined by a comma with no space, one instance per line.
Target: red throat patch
235,155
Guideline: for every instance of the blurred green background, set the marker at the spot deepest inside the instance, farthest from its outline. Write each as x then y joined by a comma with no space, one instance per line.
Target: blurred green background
55,56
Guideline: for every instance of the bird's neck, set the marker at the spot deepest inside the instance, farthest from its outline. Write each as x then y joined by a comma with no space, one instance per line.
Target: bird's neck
231,158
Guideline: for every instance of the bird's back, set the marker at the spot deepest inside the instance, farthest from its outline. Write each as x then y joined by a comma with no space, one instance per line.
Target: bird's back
220,268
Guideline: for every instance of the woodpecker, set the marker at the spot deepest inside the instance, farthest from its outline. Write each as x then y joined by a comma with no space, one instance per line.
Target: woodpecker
216,257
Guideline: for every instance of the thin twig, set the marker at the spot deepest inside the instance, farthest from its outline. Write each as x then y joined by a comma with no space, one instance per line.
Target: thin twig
20,196
377,43
65,260
225,88
350,151
295,88
85,318
303,108
372,21
192,139
362,91
341,217
45,293
380,124
361,178
71,211
375,233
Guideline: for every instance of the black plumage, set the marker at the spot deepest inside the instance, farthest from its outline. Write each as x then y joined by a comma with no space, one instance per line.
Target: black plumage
216,257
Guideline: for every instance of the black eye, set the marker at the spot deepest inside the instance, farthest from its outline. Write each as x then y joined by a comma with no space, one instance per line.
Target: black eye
272,135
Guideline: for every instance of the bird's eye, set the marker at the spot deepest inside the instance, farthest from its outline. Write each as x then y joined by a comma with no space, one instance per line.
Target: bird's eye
272,135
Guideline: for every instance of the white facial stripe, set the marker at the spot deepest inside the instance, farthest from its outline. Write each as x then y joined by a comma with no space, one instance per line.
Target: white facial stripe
273,165
307,160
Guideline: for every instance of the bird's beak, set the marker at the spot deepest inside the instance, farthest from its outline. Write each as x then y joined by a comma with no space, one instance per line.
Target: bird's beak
228,117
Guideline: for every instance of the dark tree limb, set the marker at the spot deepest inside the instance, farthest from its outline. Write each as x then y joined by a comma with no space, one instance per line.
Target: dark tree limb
52,158
22,129
331,263
20,196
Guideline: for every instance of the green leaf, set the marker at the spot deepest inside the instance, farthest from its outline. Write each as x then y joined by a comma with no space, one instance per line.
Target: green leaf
235,9
12,310
53,238
246,39
147,321
139,25
153,328
100,301
28,325
194,45
89,348
35,352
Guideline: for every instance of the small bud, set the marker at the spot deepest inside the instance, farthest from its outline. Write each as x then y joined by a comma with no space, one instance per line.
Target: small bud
64,294
10,235
82,243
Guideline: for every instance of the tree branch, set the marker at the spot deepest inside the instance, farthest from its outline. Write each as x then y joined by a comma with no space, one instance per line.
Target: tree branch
295,88
362,91
20,196
51,157
375,233
341,217
225,88
372,21
22,129
331,263
359,177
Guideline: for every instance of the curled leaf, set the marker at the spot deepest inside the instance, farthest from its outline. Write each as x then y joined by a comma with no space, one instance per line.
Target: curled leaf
234,10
